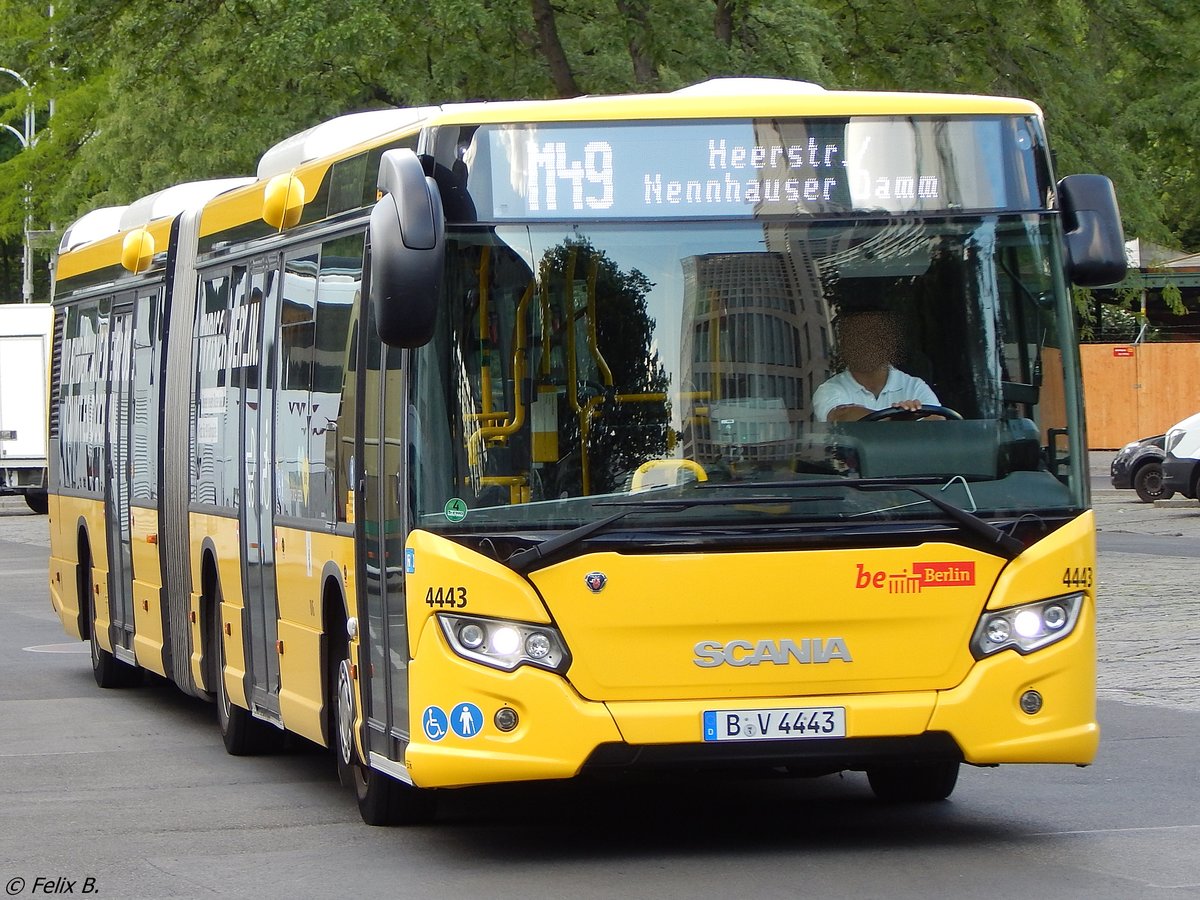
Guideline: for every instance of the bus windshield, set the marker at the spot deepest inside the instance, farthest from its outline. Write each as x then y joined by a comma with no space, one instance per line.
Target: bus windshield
576,372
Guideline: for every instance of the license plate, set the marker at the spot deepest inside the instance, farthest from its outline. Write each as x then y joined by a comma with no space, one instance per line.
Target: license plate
774,724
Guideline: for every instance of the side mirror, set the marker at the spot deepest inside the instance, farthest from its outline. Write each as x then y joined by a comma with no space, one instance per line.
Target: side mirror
407,251
1095,241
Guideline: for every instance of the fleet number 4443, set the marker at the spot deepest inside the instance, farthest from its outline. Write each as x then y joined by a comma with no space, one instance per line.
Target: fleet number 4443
454,597
1080,576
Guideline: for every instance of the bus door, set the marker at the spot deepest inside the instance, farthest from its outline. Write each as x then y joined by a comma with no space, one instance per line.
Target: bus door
117,480
253,339
382,560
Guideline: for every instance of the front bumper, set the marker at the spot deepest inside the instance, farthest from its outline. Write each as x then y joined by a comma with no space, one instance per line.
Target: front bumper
562,735
1120,474
1179,475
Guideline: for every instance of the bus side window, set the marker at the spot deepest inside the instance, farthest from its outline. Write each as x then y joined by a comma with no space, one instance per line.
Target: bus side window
293,410
338,295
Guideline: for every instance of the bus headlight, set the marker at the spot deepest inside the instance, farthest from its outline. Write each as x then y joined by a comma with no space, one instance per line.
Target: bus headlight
1026,628
505,645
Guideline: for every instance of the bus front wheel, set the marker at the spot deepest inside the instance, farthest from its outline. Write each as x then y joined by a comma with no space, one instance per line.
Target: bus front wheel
915,782
382,800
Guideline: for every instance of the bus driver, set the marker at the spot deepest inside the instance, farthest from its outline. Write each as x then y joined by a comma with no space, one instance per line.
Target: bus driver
868,343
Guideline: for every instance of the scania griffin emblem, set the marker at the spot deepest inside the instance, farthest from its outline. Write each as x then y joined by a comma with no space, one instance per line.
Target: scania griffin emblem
595,581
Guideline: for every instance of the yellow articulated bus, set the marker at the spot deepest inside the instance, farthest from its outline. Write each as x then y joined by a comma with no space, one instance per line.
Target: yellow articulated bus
736,427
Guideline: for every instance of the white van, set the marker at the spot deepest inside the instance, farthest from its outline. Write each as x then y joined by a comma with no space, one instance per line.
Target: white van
25,333
1181,467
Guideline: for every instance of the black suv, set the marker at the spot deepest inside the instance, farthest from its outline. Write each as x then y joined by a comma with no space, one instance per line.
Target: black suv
1139,466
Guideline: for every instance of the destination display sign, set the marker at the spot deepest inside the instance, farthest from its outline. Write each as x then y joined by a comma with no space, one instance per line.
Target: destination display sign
758,168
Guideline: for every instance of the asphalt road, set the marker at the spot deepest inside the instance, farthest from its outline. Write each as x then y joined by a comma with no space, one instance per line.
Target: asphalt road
133,789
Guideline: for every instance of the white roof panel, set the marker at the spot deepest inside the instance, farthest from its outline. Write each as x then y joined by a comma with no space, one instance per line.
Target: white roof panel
337,135
92,226
174,200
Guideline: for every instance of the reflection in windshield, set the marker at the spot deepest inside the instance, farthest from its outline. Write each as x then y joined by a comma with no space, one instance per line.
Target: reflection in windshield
570,365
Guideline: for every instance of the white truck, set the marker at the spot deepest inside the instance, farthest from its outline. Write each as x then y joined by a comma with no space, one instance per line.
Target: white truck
26,332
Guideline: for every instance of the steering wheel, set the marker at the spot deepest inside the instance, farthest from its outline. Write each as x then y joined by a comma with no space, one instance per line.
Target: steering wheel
909,415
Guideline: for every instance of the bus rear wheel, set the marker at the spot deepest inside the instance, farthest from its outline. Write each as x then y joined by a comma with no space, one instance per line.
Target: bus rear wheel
382,800
242,733
914,782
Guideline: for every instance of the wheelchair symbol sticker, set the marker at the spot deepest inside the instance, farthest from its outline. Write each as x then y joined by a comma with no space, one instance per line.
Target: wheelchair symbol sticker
435,723
466,719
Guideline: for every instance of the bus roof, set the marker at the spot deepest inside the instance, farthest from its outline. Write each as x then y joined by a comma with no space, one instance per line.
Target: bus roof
92,243
738,98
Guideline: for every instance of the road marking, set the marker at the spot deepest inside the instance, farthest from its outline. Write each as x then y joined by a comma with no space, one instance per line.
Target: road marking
1115,830
81,647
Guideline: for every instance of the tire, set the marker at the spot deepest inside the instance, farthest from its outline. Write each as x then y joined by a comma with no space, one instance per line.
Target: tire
382,800
108,671
1148,482
915,782
38,502
242,733
341,712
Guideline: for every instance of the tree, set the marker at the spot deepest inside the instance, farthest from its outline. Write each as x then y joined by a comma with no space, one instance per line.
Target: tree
1112,76
148,95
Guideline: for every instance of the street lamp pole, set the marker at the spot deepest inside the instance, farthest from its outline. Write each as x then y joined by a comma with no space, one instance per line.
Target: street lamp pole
26,140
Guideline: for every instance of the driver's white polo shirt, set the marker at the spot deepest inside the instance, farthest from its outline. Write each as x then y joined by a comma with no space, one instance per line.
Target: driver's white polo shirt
843,390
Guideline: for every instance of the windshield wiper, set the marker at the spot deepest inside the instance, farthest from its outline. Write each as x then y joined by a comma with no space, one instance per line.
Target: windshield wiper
1007,545
524,560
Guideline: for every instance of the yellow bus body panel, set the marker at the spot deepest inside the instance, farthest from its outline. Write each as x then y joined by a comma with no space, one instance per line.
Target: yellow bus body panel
107,251
556,732
300,668
300,572
491,589
1039,572
637,638
196,631
984,713
985,717
223,533
912,671
68,515
63,570
147,591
